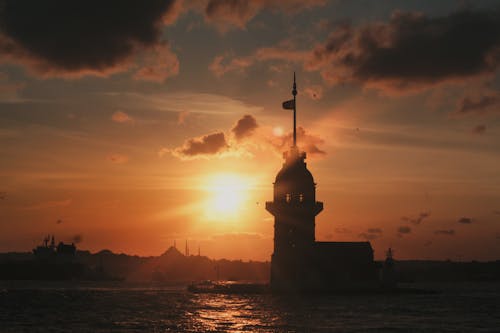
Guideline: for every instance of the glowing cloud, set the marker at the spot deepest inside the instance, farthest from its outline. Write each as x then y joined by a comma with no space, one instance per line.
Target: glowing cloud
204,146
121,117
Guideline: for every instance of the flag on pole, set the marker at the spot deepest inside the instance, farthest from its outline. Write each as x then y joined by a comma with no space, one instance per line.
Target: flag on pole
289,105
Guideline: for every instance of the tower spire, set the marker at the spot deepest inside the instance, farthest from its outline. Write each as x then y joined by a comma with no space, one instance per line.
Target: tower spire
294,93
291,105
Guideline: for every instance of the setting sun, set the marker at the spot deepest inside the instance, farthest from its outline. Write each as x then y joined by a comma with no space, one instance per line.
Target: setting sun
278,131
227,194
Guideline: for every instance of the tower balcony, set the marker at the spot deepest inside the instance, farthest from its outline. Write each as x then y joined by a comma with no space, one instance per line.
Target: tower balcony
299,208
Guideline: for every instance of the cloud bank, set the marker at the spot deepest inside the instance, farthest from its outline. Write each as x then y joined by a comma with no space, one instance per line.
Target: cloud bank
408,53
411,50
75,38
244,138
226,14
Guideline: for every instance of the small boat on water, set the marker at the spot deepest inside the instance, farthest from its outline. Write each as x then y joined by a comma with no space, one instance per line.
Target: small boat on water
227,287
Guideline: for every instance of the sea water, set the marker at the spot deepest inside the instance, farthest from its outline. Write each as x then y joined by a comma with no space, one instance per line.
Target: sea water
105,307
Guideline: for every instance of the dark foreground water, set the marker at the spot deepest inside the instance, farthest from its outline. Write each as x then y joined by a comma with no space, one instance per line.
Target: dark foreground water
34,307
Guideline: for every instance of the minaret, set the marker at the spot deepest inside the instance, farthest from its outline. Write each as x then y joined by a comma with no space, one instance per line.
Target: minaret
294,208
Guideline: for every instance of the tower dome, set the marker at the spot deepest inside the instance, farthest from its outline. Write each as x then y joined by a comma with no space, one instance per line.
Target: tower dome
294,182
294,169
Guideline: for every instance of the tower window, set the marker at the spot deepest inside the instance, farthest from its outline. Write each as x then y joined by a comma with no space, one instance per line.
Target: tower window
301,197
288,197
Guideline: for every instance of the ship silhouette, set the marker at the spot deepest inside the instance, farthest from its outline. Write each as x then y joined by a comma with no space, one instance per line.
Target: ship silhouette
53,262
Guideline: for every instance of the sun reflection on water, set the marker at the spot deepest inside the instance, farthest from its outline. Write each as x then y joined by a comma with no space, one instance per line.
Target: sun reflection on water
230,313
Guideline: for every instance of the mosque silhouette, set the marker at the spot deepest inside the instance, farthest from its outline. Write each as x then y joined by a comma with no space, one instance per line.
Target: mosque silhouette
299,262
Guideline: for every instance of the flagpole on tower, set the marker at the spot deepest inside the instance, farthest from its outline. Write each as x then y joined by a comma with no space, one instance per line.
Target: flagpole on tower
294,92
290,105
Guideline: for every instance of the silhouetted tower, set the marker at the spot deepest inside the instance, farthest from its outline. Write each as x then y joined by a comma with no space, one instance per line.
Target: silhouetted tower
389,276
294,208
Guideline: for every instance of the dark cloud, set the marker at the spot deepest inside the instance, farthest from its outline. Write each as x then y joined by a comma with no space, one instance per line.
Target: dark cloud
371,234
465,220
416,220
487,103
404,230
412,50
236,13
210,144
80,37
77,238
305,141
479,129
244,127
448,232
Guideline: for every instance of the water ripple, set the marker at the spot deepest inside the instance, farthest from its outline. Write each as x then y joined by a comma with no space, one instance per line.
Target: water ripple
30,308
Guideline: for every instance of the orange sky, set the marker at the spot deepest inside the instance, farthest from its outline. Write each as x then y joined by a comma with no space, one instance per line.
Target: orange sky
170,128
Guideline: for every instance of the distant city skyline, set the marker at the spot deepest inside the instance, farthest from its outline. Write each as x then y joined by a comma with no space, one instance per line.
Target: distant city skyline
136,124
